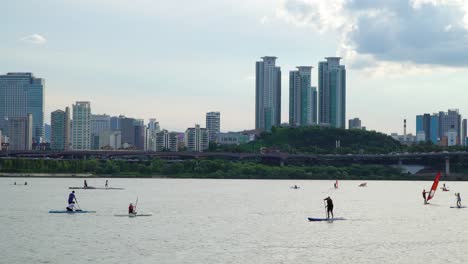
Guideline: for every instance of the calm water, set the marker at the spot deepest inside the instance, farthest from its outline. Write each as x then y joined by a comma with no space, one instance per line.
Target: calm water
231,221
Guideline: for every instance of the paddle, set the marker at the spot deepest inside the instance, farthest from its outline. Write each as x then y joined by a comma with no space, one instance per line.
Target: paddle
79,207
325,203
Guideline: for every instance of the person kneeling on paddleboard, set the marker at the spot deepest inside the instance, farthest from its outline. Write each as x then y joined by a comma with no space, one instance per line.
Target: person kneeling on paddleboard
329,206
71,197
71,207
131,209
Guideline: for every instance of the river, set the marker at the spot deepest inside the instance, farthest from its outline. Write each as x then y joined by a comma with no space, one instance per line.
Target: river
231,221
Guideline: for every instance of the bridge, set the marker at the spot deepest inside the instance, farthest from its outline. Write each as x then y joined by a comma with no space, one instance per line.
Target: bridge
278,157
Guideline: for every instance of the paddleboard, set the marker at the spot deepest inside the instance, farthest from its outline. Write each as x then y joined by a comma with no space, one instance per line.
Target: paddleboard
325,219
134,215
71,212
461,207
94,188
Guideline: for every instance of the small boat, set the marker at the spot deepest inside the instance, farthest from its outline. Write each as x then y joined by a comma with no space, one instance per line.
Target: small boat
325,219
95,188
71,212
134,215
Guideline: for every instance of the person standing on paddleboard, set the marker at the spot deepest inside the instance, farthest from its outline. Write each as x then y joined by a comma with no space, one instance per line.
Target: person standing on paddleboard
85,184
329,207
458,199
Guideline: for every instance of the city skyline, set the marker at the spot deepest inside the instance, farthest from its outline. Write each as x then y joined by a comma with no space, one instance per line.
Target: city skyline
97,64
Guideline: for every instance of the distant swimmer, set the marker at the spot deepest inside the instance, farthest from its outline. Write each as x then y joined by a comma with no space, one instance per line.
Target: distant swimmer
85,184
131,209
329,206
107,183
424,196
71,197
458,199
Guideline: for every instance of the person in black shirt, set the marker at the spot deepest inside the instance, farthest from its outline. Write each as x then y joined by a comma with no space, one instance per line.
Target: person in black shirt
329,206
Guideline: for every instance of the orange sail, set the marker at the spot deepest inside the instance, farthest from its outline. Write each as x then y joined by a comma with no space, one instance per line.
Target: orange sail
434,186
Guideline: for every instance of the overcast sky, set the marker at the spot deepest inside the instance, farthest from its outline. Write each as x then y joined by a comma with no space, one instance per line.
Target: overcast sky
176,60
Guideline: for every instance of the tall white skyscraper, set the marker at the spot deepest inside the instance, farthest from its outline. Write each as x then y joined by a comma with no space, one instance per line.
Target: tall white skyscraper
267,94
332,93
213,124
81,126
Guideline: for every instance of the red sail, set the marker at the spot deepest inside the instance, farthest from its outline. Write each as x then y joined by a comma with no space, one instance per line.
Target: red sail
434,186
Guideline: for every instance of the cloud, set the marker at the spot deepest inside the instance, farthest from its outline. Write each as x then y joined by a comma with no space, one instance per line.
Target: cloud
421,33
34,39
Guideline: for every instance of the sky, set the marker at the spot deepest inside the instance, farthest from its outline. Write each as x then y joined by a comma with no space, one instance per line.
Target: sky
177,60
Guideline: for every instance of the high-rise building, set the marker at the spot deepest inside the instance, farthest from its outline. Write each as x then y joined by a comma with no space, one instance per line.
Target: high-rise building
151,131
81,127
267,94
463,132
301,98
167,141
127,127
314,105
99,124
47,133
354,123
427,125
197,139
213,124
450,121
20,130
140,139
22,94
115,122
60,129
110,139
332,93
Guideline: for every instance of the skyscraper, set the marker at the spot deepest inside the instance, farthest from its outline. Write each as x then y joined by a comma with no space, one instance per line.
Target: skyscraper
99,124
354,123
213,124
60,129
332,92
267,94
127,127
301,97
20,132
464,128
22,94
450,121
81,128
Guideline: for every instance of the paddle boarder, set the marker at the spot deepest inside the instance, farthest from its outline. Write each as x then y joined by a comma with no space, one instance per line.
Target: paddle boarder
71,207
329,207
107,183
71,197
85,184
424,196
131,209
458,199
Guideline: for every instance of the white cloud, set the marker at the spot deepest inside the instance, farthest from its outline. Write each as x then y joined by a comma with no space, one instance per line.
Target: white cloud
34,39
404,35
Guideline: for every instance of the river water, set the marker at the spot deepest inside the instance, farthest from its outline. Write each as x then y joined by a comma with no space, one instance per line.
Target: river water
231,221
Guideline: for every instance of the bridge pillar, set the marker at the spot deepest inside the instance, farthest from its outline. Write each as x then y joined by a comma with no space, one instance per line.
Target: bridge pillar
447,166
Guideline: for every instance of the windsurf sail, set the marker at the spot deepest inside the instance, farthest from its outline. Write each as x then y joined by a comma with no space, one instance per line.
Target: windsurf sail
434,186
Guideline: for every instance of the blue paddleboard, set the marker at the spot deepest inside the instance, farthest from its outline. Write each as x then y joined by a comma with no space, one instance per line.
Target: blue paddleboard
70,212
325,219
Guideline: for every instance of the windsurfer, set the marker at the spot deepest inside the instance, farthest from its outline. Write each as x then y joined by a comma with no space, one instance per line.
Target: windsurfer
424,196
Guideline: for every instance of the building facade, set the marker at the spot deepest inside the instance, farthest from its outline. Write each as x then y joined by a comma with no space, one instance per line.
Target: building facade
20,131
232,138
464,132
213,124
110,139
60,129
22,94
354,123
197,139
332,93
99,124
167,141
267,94
81,126
301,98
